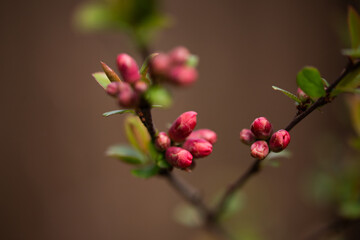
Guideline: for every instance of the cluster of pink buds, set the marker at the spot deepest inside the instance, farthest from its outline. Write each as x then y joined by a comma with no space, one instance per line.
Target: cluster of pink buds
261,139
172,67
182,144
129,90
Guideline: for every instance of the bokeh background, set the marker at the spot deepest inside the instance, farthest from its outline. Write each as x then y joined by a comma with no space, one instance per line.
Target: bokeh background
56,182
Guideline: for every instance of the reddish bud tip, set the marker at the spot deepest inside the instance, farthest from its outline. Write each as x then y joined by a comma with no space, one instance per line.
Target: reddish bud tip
183,75
128,68
127,97
140,87
183,126
160,64
179,55
112,88
198,147
247,137
279,140
261,128
259,149
206,134
113,77
302,95
162,141
178,157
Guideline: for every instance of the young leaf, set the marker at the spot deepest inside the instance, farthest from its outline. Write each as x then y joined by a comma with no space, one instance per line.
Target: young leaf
192,61
145,172
137,134
158,95
106,114
102,79
144,68
354,27
354,53
126,154
289,94
354,107
158,157
310,81
349,83
187,215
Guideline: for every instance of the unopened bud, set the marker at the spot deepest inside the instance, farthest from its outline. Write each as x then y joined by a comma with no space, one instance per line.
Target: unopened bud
178,157
113,88
162,141
179,55
140,87
206,134
261,128
279,140
259,149
113,77
183,75
247,137
127,97
302,95
128,68
198,147
160,64
183,126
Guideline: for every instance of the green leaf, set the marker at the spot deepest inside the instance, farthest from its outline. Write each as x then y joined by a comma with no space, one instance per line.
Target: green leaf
106,114
157,95
137,134
354,107
354,53
158,157
310,81
187,216
233,205
145,172
349,83
350,209
126,154
325,82
354,27
192,61
289,94
102,79
144,68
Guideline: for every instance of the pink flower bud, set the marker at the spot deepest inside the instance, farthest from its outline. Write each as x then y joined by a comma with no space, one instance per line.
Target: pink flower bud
178,157
198,147
140,87
302,96
261,128
183,126
259,149
162,141
179,55
183,75
112,88
279,140
247,137
160,64
127,97
206,134
128,68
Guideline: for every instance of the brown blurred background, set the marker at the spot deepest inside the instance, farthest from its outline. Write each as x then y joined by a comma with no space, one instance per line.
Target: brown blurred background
56,182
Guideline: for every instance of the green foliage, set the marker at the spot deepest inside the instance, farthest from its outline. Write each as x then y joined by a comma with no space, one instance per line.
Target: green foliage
146,171
145,67
187,216
353,53
288,94
349,83
233,205
137,134
310,81
158,157
126,154
102,79
106,114
192,61
354,28
138,17
158,95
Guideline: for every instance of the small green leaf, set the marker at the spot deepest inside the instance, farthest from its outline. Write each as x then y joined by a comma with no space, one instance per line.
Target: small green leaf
106,114
354,27
158,95
126,154
354,107
289,94
349,83
326,84
187,216
144,68
102,79
137,134
350,209
192,61
354,53
310,81
158,157
145,172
